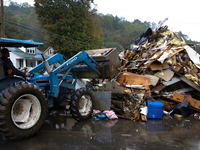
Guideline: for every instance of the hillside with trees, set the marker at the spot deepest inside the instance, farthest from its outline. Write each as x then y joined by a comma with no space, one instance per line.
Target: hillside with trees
76,23
73,28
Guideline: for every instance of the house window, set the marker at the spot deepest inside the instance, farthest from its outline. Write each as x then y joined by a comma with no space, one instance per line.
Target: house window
20,63
51,51
31,50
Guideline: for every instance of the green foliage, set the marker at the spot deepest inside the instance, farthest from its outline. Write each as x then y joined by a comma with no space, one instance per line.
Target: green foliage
74,21
189,41
114,45
21,23
180,34
121,31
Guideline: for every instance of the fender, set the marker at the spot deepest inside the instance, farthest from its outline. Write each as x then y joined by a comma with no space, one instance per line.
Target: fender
4,82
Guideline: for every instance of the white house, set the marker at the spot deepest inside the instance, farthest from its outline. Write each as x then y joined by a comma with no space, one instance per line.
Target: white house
25,57
49,51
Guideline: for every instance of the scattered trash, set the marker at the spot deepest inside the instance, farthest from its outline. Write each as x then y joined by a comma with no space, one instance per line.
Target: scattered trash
110,114
104,115
100,116
183,109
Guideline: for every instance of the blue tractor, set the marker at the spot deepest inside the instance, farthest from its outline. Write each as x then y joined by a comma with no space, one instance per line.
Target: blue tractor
24,103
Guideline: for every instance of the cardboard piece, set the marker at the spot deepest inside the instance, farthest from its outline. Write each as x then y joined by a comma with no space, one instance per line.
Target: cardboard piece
165,74
158,66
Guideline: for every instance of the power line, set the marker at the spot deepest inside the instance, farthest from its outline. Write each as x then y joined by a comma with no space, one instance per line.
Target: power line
42,32
57,35
45,40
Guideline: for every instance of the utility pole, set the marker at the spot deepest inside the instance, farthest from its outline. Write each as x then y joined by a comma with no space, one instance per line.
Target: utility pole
2,20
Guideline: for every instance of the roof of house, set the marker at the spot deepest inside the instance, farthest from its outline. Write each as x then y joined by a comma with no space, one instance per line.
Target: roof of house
48,49
27,55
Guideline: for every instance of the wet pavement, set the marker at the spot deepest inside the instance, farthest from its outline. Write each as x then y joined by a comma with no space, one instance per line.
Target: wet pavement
61,131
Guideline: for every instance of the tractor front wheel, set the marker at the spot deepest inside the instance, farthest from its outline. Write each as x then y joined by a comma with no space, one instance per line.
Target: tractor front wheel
81,104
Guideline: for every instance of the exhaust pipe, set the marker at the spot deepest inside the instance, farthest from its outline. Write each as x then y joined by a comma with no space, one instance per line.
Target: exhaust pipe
46,64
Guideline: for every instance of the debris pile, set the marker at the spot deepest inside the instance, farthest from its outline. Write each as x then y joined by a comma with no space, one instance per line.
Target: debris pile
160,66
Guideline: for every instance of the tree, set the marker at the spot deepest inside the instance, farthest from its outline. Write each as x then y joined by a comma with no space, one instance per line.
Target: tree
185,37
121,31
114,45
21,23
75,26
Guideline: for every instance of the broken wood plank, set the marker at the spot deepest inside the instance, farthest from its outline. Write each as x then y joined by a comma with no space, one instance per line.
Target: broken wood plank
177,51
177,67
137,116
190,71
180,98
158,56
149,59
143,117
158,88
133,79
189,82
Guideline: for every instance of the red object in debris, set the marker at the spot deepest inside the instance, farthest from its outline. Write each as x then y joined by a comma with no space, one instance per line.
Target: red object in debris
169,106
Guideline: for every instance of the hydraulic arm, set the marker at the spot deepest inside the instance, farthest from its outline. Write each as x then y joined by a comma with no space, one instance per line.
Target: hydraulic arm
67,80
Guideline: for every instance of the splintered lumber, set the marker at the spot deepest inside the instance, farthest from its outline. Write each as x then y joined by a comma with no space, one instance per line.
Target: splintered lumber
143,117
177,67
158,88
189,82
176,52
158,56
137,116
133,79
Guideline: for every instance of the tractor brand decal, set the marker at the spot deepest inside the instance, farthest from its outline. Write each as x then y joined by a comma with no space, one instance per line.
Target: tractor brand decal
68,63
74,59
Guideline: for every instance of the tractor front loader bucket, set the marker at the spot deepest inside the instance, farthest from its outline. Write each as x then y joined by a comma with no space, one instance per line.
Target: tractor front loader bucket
108,61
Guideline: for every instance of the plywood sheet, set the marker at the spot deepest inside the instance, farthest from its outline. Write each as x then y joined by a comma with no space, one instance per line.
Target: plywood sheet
153,79
133,79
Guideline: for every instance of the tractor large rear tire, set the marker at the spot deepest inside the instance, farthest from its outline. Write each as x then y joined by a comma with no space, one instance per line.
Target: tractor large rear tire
81,105
23,109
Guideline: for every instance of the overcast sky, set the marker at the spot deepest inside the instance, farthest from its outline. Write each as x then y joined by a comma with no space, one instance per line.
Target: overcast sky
183,15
